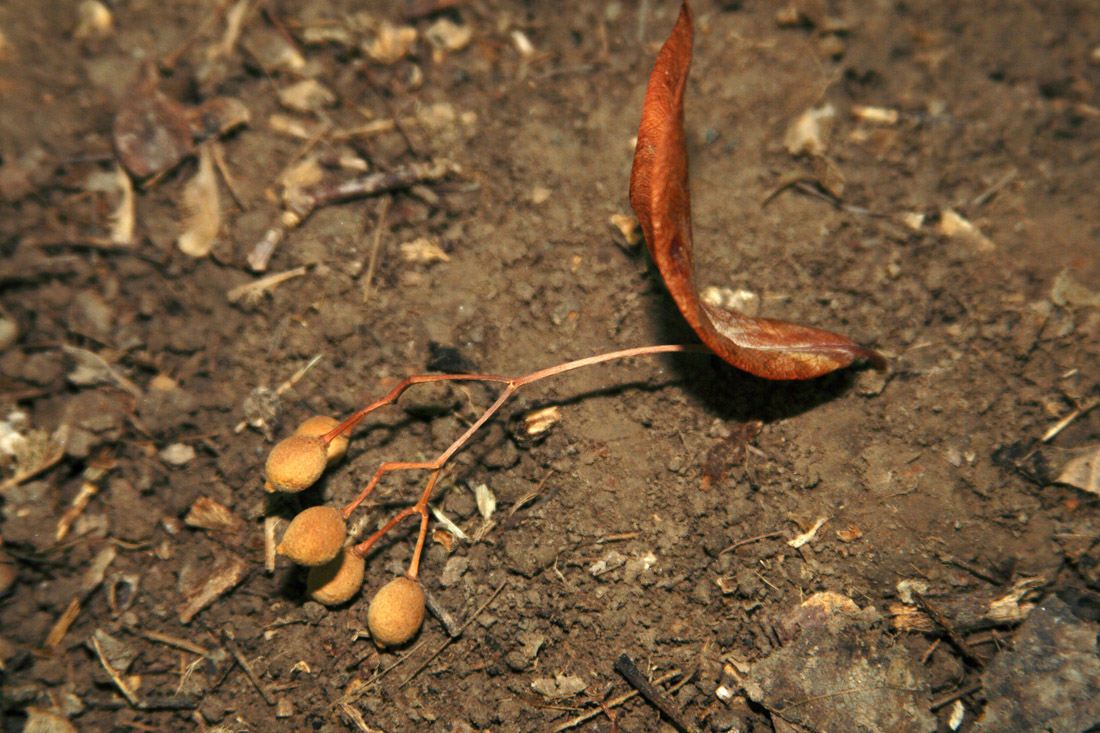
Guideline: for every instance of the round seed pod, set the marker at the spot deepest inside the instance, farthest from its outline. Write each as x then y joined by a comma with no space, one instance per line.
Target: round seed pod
319,425
396,612
315,536
295,463
338,580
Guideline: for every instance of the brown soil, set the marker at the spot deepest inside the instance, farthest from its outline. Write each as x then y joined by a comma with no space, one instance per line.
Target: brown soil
933,472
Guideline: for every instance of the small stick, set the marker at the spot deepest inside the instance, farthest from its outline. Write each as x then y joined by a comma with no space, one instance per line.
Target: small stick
931,650
115,676
373,261
953,696
223,168
175,641
256,288
303,202
616,702
235,650
61,626
626,667
152,704
750,540
1062,424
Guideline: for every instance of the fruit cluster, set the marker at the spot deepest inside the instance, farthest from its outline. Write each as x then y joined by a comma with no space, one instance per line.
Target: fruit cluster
316,537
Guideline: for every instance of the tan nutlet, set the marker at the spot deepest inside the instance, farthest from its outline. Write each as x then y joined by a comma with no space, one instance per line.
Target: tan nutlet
295,463
396,612
338,580
315,536
319,425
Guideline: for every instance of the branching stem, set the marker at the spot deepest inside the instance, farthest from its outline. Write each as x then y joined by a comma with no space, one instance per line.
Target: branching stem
511,385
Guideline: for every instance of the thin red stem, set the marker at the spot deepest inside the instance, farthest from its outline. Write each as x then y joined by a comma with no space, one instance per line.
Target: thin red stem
512,384
414,565
363,547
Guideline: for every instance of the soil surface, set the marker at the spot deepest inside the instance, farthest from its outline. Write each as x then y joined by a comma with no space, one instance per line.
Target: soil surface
953,226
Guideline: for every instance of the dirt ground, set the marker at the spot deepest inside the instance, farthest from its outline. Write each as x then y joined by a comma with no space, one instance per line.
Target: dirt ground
953,226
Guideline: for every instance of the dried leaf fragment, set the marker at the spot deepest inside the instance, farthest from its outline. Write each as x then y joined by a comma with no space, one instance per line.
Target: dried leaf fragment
423,251
307,95
1083,472
223,577
201,208
660,196
806,135
952,224
206,513
391,43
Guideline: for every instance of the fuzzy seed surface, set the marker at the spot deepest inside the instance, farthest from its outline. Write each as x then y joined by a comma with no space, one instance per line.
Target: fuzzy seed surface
396,612
336,581
295,463
319,425
315,536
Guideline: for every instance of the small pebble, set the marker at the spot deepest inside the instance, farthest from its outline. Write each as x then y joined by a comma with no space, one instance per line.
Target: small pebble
178,454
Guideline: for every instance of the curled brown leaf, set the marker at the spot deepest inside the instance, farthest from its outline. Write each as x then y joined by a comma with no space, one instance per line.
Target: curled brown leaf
661,198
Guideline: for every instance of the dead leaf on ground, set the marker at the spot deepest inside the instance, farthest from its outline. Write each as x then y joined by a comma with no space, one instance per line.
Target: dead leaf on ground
839,670
1048,679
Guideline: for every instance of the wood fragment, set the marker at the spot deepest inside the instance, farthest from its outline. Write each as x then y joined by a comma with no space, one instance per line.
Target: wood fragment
444,616
173,641
356,717
271,529
218,153
1062,424
92,579
221,579
951,697
61,626
809,534
625,666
